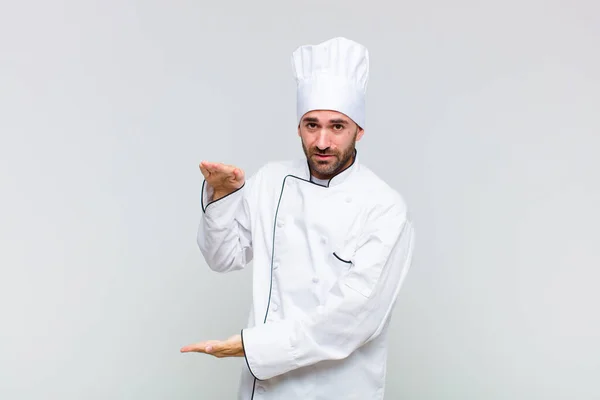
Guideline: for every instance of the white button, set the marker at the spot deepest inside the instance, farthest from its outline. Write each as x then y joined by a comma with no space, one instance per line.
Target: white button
280,223
276,265
315,279
260,389
275,307
323,240
348,199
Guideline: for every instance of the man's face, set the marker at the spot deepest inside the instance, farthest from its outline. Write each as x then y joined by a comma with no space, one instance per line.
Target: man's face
328,139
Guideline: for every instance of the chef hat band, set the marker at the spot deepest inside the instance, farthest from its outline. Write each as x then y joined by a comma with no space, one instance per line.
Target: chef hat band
332,75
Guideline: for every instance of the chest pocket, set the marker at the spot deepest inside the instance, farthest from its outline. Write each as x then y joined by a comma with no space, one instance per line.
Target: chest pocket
345,246
344,254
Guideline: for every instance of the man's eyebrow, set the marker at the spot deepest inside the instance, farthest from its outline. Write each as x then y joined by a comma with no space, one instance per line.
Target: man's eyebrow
331,121
338,121
311,119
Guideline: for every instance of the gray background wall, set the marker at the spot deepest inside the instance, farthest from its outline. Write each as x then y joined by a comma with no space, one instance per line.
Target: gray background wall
483,114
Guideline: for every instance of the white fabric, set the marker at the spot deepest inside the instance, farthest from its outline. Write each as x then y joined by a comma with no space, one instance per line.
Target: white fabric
328,263
322,182
332,75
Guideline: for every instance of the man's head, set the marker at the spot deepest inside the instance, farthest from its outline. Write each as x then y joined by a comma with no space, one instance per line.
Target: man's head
331,79
328,140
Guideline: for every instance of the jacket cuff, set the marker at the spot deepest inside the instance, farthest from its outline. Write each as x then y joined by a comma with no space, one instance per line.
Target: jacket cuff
268,350
227,201
246,356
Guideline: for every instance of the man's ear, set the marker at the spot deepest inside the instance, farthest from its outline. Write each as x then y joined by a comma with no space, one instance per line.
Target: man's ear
360,133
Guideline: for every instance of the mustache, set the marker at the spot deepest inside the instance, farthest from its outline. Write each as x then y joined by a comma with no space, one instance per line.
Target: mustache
325,152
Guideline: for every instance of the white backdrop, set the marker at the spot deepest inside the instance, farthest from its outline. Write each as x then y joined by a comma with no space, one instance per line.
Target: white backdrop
484,116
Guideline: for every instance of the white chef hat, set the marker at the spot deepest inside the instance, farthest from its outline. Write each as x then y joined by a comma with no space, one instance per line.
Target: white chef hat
332,75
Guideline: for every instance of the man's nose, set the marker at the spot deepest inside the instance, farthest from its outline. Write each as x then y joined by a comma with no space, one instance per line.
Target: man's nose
323,141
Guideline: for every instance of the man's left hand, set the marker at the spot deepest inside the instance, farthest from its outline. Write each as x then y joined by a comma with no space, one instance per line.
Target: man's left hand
231,347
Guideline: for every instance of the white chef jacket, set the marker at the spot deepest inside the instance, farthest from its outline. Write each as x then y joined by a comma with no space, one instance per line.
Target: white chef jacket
328,262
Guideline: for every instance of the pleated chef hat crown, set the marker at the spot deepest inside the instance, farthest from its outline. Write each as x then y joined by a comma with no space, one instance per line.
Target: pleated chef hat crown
332,75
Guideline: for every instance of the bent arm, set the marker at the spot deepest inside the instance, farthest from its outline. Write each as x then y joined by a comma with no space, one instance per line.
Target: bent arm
356,310
224,232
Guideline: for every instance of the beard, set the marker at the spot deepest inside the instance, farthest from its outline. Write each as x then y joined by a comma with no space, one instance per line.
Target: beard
328,168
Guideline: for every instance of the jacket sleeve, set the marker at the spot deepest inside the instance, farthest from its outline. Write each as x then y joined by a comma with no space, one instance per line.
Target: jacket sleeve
224,232
356,310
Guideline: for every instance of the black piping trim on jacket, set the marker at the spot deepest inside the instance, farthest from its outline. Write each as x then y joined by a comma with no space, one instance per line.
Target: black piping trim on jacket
214,201
341,259
273,247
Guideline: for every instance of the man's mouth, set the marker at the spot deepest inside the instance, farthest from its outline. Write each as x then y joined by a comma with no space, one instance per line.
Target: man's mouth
323,156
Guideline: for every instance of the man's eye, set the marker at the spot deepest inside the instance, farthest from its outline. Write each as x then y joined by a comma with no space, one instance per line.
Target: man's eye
338,127
311,125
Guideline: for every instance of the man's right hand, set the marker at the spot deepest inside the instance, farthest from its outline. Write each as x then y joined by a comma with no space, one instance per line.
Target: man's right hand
223,178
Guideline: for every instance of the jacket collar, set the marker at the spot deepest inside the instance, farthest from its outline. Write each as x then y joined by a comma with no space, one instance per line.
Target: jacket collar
341,176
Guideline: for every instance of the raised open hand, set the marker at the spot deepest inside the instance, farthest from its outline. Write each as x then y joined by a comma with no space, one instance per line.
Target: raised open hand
223,178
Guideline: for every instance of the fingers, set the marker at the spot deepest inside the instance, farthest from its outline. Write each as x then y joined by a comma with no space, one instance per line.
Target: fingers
213,167
209,168
213,347
199,347
225,171
202,347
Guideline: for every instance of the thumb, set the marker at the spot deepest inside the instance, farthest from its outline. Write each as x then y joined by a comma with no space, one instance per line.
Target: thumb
204,170
238,174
